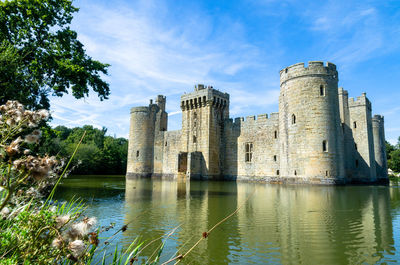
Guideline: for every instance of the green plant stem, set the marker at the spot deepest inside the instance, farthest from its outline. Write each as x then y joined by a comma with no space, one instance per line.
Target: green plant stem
50,197
8,197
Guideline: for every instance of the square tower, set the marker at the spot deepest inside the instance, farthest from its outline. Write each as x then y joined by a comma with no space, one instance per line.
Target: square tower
203,113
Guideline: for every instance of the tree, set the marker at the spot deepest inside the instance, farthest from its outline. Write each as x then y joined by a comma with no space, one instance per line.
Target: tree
40,55
389,148
98,154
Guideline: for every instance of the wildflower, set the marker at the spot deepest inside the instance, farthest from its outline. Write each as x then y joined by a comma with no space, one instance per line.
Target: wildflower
37,132
44,114
77,248
33,192
62,220
5,212
31,138
57,242
13,148
27,152
73,234
90,221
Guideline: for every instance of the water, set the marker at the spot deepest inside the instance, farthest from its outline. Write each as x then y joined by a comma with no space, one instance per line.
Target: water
277,224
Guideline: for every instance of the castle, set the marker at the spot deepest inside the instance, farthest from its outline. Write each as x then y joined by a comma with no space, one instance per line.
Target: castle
319,136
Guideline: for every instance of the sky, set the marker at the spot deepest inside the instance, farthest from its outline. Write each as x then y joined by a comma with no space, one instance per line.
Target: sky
165,47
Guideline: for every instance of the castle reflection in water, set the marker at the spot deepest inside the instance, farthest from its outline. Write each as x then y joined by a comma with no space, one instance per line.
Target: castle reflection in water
278,224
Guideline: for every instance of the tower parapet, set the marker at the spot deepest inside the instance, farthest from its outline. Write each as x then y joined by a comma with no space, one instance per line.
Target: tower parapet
315,68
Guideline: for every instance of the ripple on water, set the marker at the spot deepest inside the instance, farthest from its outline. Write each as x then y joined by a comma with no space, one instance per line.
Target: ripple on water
277,225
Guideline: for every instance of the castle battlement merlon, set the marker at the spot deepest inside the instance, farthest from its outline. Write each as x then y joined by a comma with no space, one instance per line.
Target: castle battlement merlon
342,91
378,118
140,109
313,68
255,120
203,96
360,101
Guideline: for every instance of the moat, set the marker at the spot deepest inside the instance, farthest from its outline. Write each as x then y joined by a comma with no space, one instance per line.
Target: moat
279,224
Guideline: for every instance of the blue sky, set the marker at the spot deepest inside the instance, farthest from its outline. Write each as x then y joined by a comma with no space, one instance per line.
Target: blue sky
239,47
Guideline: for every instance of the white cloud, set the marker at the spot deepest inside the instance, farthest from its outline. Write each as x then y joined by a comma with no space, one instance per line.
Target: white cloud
150,55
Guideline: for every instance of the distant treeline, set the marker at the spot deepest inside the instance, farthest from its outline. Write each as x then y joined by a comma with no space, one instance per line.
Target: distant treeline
98,153
393,156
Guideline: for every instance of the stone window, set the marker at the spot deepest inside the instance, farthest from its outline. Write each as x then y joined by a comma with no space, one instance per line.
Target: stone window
194,139
325,146
326,173
277,172
275,134
356,162
137,153
355,124
355,146
165,143
274,157
295,173
249,152
321,90
293,119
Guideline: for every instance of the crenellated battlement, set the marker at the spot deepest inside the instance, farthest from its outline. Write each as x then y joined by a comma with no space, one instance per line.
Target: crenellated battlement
378,118
360,101
140,109
204,96
253,120
314,68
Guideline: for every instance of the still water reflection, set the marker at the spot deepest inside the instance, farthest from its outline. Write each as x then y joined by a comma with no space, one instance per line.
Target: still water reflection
277,225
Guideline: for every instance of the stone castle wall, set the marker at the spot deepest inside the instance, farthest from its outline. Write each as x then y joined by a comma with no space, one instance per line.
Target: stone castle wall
262,133
320,135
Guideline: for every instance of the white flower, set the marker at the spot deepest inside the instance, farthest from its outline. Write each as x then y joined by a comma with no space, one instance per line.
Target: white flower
31,138
5,212
32,192
81,228
62,220
44,114
77,248
27,152
57,242
90,221
37,132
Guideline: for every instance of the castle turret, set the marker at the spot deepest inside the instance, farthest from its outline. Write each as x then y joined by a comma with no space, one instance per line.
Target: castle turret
141,142
310,134
147,126
378,132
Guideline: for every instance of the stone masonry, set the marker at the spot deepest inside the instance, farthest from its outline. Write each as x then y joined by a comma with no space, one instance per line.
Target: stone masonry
319,136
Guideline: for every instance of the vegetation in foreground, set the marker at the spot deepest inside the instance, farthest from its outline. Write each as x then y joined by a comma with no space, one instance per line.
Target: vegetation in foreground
33,231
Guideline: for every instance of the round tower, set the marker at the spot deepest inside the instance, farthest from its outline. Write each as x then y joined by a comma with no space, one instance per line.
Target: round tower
141,142
378,133
311,137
